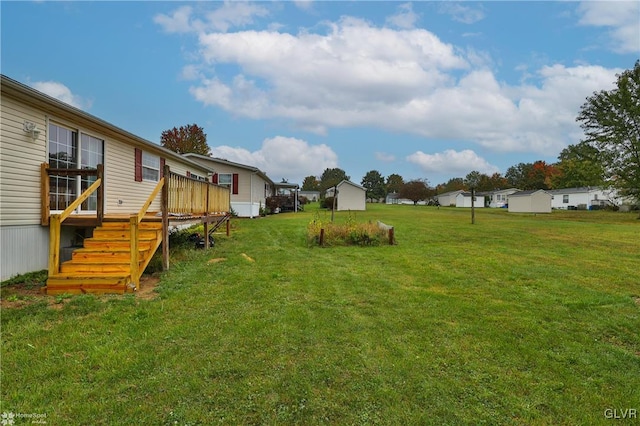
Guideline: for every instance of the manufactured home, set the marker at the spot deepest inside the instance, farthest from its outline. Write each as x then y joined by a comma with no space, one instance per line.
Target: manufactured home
250,187
584,198
87,200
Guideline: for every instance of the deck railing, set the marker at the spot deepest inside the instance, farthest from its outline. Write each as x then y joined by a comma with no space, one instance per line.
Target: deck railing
181,195
134,230
55,220
190,197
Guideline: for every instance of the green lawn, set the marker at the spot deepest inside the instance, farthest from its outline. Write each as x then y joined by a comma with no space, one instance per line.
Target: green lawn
518,319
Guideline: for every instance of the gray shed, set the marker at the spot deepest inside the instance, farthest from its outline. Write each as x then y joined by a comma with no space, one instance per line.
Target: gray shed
534,201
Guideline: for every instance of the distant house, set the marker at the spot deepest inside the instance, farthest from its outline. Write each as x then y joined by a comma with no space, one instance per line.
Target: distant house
584,198
350,196
498,197
534,201
463,199
312,196
394,198
249,185
448,198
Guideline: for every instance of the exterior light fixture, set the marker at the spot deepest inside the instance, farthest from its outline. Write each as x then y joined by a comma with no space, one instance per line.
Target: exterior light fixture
30,127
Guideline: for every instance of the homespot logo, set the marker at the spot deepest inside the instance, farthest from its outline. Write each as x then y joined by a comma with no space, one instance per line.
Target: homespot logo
621,413
10,418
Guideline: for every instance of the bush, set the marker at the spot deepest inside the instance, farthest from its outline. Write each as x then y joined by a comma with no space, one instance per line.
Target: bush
327,203
348,233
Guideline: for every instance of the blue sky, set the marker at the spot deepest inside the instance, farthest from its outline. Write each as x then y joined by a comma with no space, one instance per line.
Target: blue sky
429,90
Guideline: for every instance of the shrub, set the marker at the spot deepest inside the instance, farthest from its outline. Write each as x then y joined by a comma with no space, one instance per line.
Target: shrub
348,233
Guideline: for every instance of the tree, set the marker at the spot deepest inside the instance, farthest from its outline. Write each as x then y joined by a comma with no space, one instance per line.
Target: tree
611,123
332,177
518,175
394,183
373,182
579,166
498,181
415,190
189,138
453,184
311,183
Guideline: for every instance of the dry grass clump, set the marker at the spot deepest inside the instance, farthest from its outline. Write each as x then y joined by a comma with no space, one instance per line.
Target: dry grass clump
345,234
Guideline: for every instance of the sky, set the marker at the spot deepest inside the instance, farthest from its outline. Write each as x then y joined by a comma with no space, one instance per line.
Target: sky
427,90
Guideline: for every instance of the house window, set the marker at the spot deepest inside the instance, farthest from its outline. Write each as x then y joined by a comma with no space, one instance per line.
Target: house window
68,151
565,199
225,179
150,167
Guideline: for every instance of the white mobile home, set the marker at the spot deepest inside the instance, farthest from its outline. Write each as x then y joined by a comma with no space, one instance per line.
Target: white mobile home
249,186
584,198
50,154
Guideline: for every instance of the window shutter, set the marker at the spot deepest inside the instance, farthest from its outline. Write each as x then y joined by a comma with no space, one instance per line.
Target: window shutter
214,178
138,165
163,162
235,184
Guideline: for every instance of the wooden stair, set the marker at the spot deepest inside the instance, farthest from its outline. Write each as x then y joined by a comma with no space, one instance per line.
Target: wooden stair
102,265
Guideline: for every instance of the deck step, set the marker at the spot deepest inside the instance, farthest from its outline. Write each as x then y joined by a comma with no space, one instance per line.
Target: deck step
103,264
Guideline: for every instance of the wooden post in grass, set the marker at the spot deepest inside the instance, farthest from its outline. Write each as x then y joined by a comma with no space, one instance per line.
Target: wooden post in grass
391,236
321,237
473,206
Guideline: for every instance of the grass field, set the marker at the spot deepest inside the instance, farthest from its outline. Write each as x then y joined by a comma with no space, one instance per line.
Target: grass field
518,319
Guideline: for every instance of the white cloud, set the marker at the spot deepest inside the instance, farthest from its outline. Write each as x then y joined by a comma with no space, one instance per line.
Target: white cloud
178,22
405,18
230,14
356,75
303,4
460,13
283,157
61,92
451,162
385,157
622,17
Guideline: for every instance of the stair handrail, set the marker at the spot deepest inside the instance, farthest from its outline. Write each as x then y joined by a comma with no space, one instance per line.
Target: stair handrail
55,224
134,229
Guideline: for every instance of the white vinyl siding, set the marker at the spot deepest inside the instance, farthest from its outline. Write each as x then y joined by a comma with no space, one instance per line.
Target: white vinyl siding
20,160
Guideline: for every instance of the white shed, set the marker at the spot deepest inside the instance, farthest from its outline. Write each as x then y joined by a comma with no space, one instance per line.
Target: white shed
448,198
463,199
534,201
350,196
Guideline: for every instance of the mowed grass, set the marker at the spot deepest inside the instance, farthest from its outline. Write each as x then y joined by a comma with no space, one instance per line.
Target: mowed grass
518,319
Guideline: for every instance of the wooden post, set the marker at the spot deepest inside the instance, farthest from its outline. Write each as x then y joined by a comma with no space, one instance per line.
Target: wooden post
134,266
391,236
165,218
229,225
473,206
54,245
206,231
100,195
321,237
45,207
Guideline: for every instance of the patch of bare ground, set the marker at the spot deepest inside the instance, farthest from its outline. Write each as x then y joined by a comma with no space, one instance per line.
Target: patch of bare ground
20,295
